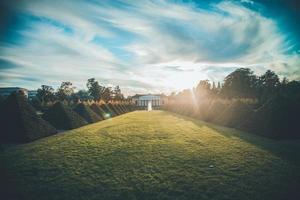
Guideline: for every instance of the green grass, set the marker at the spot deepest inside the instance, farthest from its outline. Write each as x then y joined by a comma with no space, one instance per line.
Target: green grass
153,155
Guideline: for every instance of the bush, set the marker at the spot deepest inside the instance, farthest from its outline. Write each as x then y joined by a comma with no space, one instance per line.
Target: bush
98,110
114,109
20,123
278,118
1,99
215,109
121,108
36,103
63,117
235,114
86,113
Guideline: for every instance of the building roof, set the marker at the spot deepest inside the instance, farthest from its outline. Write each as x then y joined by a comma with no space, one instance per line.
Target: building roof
139,95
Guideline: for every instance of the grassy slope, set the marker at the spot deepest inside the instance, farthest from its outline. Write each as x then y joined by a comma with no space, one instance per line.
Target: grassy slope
153,155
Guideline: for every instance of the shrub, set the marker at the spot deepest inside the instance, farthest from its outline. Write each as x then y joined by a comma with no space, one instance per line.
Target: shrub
215,109
202,111
86,113
114,108
277,118
36,103
235,114
107,110
98,110
121,108
1,99
63,117
20,123
118,109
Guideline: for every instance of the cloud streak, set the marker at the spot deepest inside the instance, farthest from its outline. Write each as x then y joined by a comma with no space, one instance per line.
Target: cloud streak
145,46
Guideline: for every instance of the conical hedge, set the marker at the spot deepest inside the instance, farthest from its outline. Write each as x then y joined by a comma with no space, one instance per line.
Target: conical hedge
85,112
114,109
108,110
63,117
119,108
1,99
123,107
20,123
98,110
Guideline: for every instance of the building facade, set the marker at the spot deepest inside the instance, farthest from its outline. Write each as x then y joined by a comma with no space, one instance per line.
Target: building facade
143,101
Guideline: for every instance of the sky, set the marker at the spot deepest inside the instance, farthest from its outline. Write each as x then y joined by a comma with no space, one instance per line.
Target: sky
155,46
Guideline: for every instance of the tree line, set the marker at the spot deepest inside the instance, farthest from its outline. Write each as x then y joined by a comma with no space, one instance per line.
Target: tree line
244,84
66,91
261,104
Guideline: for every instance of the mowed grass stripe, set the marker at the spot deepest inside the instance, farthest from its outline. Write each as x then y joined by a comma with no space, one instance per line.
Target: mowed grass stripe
153,155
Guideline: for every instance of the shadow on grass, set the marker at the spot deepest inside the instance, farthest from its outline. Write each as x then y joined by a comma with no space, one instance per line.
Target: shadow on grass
288,150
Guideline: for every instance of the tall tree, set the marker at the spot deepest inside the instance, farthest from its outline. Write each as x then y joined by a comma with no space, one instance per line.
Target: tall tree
65,90
268,85
118,93
45,93
240,84
203,89
107,94
94,89
83,95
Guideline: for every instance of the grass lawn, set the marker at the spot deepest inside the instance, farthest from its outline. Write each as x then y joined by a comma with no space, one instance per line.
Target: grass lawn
153,155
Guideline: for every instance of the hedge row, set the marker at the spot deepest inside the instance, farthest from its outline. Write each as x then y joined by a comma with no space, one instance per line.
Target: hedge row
20,122
64,117
277,118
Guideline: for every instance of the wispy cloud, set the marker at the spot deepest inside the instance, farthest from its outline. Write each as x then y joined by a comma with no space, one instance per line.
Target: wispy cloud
145,46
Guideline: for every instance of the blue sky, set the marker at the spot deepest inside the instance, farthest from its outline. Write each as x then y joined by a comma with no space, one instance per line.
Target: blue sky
145,46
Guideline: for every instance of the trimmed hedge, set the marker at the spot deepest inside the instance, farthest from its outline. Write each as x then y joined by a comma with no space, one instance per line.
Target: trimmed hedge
277,118
98,110
114,109
20,123
1,99
87,113
235,114
215,109
63,117
107,110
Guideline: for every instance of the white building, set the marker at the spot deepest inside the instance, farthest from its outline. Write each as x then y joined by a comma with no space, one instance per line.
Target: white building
144,100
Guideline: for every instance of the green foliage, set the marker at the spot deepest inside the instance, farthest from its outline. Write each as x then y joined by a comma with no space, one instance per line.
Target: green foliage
63,117
277,118
215,109
154,155
235,114
276,102
98,110
86,113
240,83
46,93
1,99
82,95
36,103
65,91
95,90
117,93
107,94
113,109
108,110
20,123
